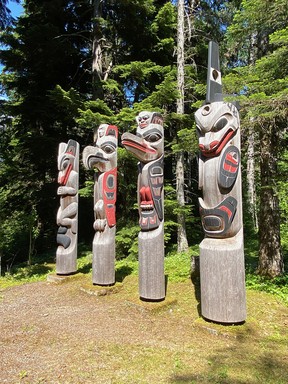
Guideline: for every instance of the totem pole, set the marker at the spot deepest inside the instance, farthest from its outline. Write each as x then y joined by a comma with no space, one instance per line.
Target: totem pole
67,216
222,270
148,147
103,158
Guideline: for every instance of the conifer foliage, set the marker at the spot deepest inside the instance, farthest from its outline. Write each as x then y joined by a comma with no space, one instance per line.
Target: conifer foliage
69,66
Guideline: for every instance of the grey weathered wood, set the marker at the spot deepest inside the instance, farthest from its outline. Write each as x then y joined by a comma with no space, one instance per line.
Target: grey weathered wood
148,147
103,158
222,279
66,264
222,272
151,264
67,215
103,262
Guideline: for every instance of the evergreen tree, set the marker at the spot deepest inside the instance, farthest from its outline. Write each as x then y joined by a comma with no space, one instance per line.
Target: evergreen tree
38,58
70,66
263,85
5,14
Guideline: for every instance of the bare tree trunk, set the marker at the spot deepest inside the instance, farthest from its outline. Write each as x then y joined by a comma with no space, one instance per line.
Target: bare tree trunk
182,243
270,255
252,197
180,57
97,71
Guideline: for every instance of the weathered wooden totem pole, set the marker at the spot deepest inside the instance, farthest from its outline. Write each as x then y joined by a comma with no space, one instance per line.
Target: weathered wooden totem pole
222,271
148,147
103,158
67,216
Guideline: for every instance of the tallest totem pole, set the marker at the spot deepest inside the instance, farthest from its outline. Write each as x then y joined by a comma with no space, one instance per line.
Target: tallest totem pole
222,271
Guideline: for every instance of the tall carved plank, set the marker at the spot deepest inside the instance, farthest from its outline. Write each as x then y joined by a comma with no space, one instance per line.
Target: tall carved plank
148,147
103,158
67,216
222,270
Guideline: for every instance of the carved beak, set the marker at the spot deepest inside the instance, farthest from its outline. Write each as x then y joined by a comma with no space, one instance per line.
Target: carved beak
95,159
139,147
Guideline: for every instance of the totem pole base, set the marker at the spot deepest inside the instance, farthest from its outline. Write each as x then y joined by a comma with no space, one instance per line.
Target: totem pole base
66,263
151,264
222,279
103,264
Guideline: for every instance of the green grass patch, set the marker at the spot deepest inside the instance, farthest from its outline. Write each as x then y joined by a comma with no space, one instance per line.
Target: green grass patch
277,286
177,269
178,265
26,274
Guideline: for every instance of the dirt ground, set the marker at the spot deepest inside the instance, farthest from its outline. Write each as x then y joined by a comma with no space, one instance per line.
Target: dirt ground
74,333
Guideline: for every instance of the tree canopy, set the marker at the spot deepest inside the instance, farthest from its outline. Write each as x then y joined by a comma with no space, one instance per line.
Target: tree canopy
69,66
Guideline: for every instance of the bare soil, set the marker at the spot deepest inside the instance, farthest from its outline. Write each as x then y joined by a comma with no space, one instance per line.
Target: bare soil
73,332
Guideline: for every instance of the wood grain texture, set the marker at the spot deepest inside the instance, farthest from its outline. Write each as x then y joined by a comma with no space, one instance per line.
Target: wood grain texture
67,215
222,279
103,264
151,264
66,263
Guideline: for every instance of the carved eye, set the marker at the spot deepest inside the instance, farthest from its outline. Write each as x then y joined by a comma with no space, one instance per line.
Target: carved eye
107,148
143,119
220,124
65,163
153,137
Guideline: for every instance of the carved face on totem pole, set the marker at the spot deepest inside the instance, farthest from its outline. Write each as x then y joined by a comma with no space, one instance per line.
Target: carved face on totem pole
219,162
66,161
148,146
68,158
217,126
103,155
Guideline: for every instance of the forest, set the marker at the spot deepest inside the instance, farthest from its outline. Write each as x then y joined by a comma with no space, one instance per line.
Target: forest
69,66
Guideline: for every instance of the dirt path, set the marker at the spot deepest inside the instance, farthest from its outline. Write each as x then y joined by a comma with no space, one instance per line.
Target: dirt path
58,333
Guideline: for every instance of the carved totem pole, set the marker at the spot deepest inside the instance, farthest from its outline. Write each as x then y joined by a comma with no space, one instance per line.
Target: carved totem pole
148,147
67,216
103,158
222,270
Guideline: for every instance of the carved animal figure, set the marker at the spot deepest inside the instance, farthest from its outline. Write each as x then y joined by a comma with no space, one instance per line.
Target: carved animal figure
102,157
222,270
67,216
148,147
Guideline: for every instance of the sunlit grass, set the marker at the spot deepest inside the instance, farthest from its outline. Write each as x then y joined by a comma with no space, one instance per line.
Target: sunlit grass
177,269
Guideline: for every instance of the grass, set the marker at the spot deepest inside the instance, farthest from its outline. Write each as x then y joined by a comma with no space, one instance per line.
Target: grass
277,286
26,274
177,268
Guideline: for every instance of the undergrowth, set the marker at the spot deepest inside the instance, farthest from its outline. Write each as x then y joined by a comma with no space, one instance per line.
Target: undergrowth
277,286
177,269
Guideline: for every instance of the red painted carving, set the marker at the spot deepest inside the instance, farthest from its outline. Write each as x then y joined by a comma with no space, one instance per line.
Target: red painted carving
109,195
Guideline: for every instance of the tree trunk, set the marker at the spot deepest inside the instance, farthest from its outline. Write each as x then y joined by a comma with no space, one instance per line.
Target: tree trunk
270,255
97,71
252,198
182,243
180,57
